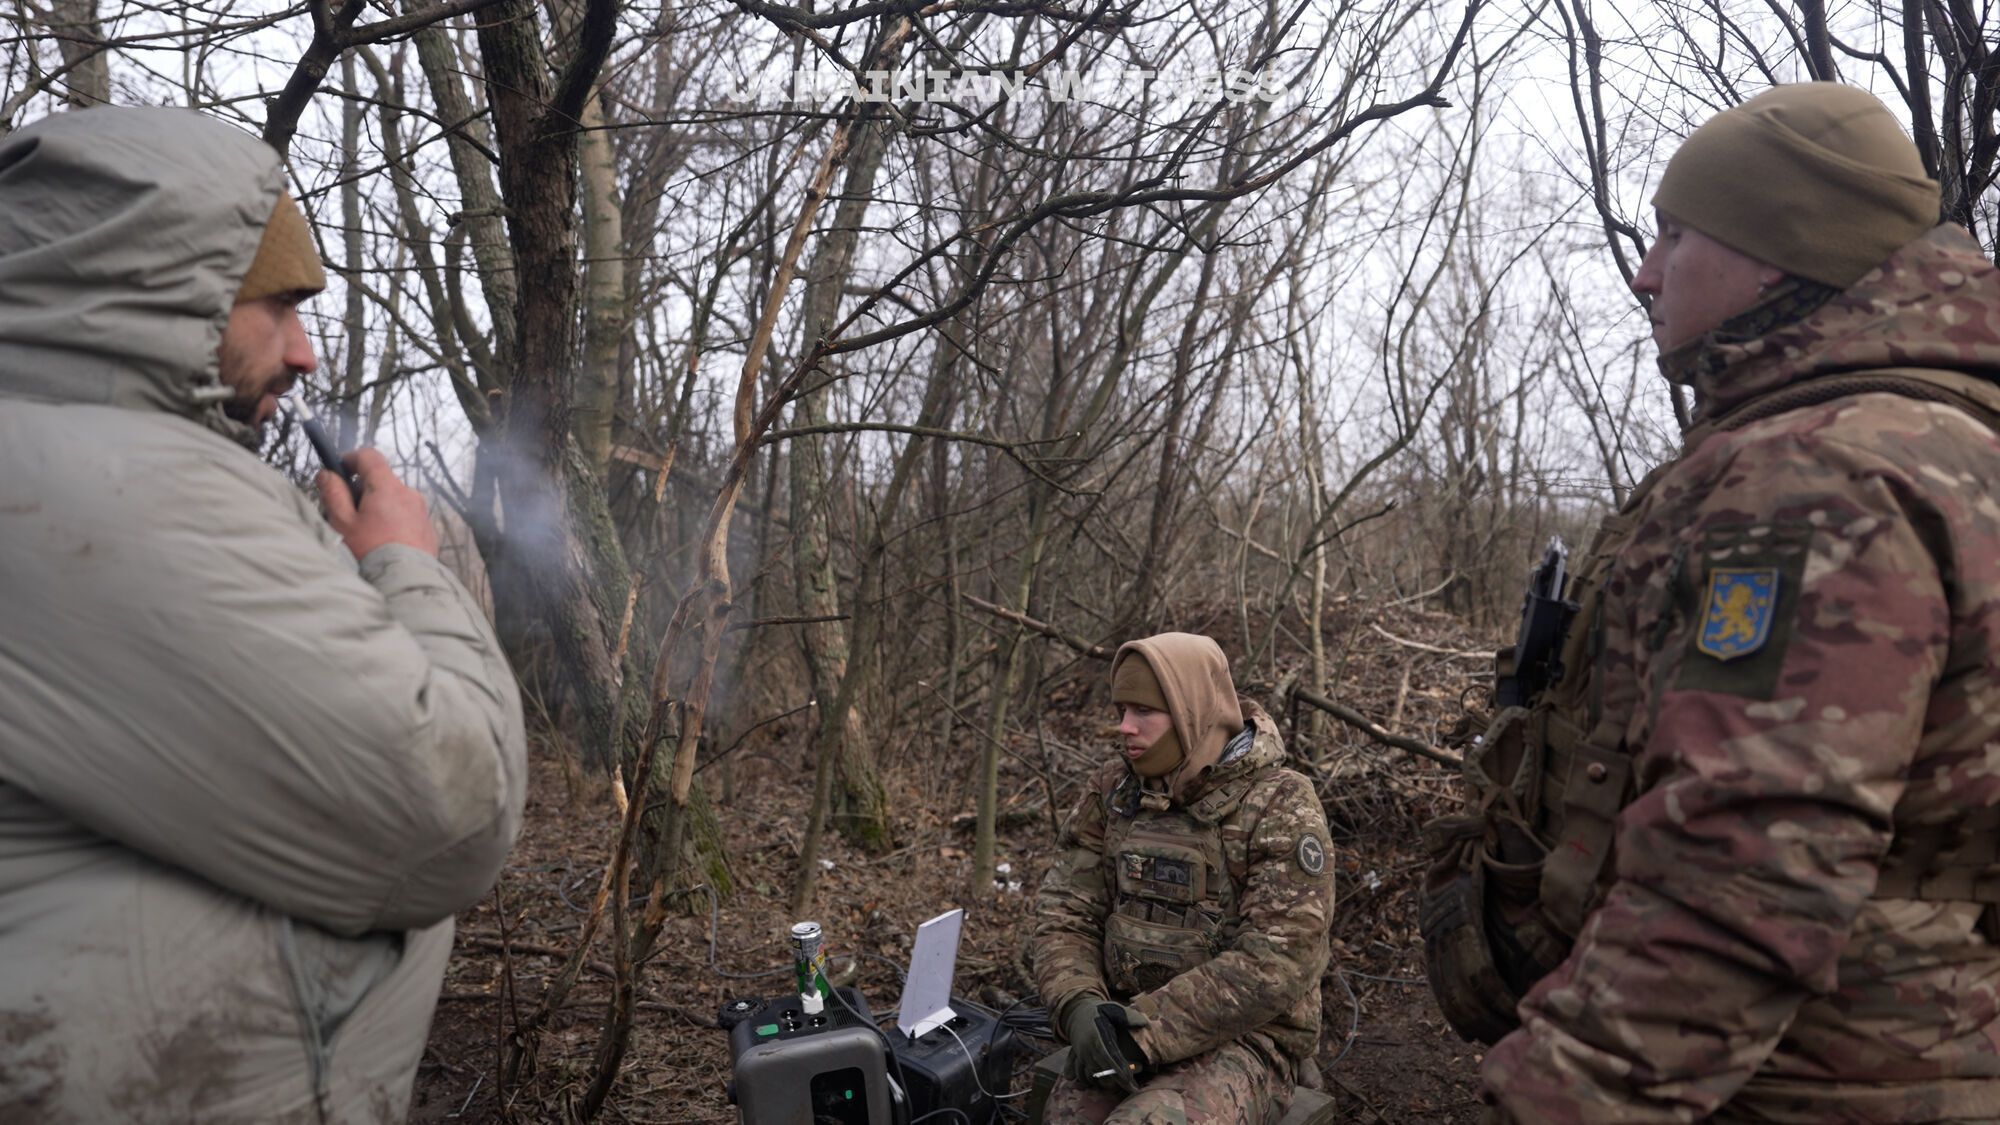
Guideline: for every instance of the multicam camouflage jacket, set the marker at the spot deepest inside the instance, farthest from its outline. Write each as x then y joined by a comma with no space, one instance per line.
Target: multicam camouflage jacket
1802,636
1210,916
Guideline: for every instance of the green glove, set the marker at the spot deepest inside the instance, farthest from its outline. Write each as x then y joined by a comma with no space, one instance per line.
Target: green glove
1102,1050
1079,1029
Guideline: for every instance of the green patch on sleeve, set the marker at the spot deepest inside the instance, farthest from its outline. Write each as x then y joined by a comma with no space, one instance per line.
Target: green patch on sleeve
1740,592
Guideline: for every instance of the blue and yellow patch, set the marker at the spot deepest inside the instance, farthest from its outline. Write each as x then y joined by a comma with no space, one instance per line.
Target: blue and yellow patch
1736,618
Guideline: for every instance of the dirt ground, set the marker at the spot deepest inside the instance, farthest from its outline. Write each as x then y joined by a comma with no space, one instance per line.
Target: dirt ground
1386,1053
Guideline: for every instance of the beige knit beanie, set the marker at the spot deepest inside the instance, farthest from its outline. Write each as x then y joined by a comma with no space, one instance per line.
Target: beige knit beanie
1816,179
286,260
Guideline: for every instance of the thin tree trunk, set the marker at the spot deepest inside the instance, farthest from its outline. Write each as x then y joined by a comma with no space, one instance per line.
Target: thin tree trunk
684,675
604,308
948,553
354,371
467,141
557,522
88,82
871,608
1006,680
1167,479
840,744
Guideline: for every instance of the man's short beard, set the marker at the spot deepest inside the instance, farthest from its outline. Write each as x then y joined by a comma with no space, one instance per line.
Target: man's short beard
242,409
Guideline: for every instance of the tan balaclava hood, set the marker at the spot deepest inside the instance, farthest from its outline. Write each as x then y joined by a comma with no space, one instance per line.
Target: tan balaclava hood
286,261
1133,681
1186,675
1816,179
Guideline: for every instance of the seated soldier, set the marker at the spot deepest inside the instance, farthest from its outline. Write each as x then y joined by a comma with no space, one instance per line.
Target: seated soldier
1182,929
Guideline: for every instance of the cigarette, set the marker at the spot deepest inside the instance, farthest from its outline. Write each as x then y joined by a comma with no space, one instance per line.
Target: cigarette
1106,1072
322,444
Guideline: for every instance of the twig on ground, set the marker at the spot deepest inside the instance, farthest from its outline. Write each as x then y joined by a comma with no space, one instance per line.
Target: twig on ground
1447,653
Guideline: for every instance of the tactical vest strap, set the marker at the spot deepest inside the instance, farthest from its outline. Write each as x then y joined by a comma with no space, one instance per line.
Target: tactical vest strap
1594,789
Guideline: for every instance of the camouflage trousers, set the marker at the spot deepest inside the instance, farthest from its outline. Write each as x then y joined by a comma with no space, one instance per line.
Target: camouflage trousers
1230,1085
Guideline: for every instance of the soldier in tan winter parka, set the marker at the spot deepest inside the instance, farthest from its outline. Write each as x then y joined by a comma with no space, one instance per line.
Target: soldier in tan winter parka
1183,925
253,758
1792,714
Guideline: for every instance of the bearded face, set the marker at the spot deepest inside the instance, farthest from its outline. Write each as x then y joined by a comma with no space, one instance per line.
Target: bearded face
264,350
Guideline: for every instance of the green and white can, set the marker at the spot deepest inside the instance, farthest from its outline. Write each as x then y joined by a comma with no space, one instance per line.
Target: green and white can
809,957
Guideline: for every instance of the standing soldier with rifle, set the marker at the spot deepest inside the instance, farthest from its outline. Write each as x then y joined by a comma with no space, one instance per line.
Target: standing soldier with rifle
1740,856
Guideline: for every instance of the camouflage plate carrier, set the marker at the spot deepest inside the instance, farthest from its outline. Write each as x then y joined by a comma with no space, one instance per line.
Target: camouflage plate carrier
1176,884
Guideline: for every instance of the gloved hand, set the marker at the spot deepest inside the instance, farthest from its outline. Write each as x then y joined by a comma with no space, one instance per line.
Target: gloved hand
1115,1025
1078,1021
1102,1050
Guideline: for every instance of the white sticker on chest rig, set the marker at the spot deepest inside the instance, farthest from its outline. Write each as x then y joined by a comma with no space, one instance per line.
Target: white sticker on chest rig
1312,855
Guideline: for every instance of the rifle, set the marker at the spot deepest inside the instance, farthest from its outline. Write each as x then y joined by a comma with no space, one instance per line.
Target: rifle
1545,618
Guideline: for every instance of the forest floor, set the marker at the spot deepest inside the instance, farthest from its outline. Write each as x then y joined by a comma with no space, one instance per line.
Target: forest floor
1386,1053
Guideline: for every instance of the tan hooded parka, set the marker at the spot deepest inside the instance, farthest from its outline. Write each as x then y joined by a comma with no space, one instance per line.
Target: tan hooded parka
245,782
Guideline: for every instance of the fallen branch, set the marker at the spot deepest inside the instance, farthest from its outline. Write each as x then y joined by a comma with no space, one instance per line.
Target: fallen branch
1017,817
1097,652
693,1018
1434,591
531,949
1450,653
1368,727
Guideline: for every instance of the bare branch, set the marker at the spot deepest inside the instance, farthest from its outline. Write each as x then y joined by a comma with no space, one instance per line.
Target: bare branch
1095,652
1374,730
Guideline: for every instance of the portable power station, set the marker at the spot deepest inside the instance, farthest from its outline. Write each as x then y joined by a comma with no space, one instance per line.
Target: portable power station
789,1067
816,1056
